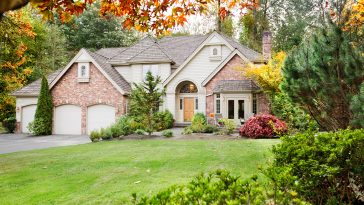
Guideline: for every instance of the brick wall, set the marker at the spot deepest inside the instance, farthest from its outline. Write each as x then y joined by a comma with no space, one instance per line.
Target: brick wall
98,91
231,71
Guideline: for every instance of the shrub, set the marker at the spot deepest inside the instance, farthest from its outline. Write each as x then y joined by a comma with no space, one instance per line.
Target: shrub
125,125
95,136
9,123
210,128
105,133
187,131
43,115
116,130
38,127
262,126
325,168
294,116
198,122
163,120
139,132
219,187
167,133
229,126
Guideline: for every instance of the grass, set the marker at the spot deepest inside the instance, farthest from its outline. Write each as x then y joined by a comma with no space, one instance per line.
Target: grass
109,172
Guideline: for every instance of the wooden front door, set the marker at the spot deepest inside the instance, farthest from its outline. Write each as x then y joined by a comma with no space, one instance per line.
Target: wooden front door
188,110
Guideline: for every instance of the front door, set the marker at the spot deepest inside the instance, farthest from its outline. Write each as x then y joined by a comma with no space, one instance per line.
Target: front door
236,110
188,110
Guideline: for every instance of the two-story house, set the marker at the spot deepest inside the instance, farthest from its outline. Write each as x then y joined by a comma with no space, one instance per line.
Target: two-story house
201,73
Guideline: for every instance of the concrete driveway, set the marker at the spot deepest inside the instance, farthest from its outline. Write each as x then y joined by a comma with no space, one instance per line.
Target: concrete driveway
21,142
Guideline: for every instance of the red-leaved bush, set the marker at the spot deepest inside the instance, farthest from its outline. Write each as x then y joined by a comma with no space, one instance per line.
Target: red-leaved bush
263,126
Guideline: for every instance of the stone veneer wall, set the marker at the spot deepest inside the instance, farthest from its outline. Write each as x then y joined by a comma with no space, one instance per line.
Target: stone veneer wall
98,90
231,72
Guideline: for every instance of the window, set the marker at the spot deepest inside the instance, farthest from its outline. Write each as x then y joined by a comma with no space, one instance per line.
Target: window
231,109
181,104
218,104
152,68
188,88
83,72
214,52
241,109
255,103
196,103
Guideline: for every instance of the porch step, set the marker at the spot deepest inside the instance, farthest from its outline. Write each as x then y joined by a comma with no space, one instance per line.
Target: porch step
182,124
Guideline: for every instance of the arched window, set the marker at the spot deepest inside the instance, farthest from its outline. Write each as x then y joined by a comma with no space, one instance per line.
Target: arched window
214,52
188,88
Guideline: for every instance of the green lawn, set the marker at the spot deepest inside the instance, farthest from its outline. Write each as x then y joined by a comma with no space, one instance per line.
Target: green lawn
108,172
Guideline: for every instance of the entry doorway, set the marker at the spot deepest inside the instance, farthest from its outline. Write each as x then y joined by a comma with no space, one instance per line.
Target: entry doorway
189,109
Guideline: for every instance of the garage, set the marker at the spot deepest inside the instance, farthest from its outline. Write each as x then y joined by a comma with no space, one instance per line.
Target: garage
99,116
28,113
67,120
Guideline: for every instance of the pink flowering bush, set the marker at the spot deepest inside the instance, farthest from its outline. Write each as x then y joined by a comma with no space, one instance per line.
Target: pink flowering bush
263,126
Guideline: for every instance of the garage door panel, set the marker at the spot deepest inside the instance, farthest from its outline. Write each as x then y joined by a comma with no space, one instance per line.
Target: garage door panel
100,116
28,113
67,120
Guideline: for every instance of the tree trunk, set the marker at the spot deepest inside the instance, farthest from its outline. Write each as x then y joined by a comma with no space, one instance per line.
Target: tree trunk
218,16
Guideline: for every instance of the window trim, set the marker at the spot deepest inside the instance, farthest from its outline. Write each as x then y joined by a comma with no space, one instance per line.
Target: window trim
218,99
83,78
181,103
196,103
254,103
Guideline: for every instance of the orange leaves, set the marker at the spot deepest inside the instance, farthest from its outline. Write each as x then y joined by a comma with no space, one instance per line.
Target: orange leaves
21,49
144,15
65,8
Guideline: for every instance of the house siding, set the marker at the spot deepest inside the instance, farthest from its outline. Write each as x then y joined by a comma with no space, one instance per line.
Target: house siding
98,90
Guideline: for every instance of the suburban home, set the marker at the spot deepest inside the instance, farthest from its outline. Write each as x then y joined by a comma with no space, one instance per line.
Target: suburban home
201,73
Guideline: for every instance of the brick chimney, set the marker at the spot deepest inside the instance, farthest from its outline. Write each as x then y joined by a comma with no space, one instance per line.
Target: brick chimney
267,45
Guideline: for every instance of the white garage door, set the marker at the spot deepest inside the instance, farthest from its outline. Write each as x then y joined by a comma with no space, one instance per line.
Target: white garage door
27,116
67,120
99,116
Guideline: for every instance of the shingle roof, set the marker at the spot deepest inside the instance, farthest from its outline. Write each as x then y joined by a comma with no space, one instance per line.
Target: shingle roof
235,86
251,54
181,47
33,88
110,52
111,72
146,50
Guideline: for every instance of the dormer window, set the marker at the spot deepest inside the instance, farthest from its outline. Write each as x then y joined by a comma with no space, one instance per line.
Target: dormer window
83,72
215,54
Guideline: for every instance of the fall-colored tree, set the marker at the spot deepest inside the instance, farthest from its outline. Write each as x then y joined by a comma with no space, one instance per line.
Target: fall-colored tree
267,76
356,17
14,30
145,15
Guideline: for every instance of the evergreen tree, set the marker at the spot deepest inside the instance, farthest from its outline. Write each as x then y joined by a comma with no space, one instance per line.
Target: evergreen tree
357,106
323,75
145,99
42,124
